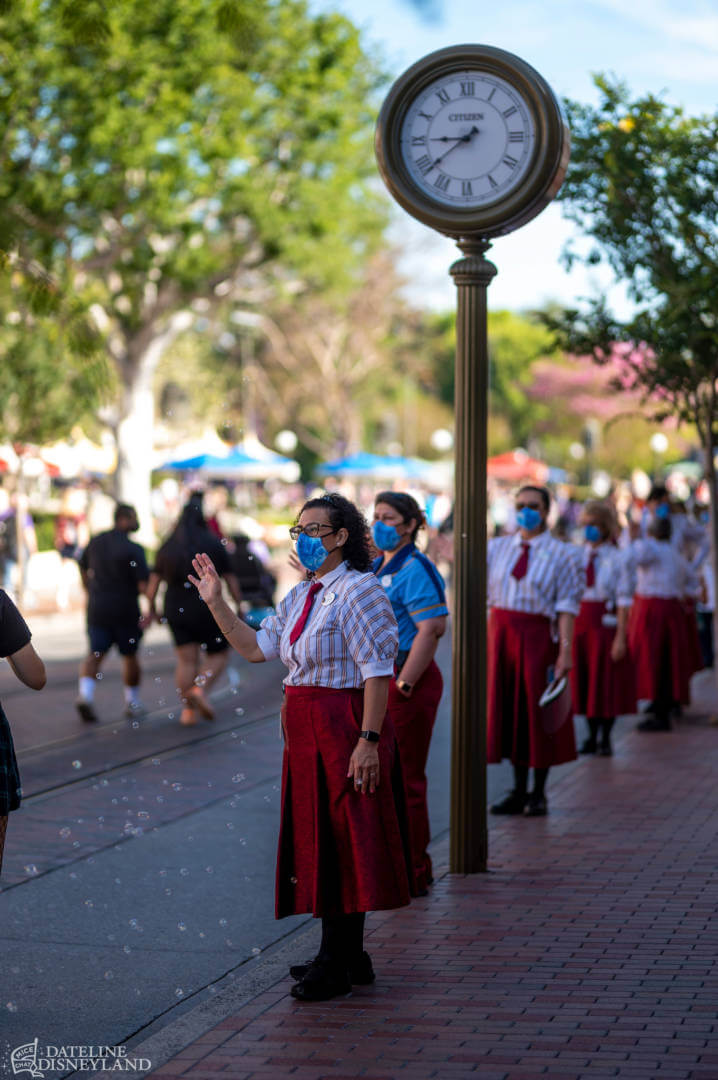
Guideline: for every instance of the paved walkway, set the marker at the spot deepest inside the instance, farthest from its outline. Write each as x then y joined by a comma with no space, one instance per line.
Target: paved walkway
588,950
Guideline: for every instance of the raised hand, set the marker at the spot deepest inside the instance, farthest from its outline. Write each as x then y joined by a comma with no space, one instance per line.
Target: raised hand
207,582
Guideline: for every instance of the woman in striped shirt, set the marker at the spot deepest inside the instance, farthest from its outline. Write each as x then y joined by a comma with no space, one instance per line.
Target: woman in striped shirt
534,588
342,851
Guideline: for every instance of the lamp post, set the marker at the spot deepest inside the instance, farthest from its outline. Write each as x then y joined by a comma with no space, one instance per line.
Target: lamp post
472,142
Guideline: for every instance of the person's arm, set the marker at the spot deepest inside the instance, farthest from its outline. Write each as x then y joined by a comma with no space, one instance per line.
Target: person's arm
149,590
364,762
28,667
565,636
422,651
240,636
618,645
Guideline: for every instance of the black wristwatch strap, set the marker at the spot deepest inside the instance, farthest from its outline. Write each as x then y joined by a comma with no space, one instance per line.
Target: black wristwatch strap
370,736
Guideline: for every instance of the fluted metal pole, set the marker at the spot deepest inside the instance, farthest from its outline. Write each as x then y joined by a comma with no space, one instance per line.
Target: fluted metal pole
469,839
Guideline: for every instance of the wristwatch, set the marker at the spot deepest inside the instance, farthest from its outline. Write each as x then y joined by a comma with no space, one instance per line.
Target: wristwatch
370,736
405,687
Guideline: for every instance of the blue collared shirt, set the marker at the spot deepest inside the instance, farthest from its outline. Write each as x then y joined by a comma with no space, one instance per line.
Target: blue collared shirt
415,589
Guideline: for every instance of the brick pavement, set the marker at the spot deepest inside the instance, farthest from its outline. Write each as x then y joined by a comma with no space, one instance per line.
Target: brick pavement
587,951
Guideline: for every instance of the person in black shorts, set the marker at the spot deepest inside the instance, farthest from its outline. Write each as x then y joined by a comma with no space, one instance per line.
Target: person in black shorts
202,651
114,572
16,647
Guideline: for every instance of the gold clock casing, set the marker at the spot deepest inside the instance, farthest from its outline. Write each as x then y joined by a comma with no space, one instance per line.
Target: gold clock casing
541,180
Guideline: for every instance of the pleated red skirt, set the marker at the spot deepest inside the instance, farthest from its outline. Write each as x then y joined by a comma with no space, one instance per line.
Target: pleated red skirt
413,719
339,851
601,687
657,641
520,652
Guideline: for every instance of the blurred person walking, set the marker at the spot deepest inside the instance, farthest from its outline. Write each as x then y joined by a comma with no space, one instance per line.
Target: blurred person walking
602,679
657,639
17,648
418,601
202,651
114,572
17,544
342,851
534,592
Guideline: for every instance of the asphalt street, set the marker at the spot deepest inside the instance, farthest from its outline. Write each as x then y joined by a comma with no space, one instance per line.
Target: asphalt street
139,871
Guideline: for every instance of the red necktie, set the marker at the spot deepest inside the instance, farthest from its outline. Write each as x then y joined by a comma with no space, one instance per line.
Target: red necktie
591,571
522,563
302,620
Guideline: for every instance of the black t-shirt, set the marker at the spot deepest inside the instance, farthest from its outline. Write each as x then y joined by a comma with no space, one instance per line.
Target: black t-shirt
14,631
114,566
180,592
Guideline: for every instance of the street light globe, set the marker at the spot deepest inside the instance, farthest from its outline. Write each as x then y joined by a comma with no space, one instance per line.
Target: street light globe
577,451
286,441
601,484
659,443
442,440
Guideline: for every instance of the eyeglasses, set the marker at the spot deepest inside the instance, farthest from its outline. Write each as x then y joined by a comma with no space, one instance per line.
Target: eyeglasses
312,529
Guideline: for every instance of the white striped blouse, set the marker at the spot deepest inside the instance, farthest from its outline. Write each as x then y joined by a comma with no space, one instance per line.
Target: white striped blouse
553,582
350,636
614,579
660,570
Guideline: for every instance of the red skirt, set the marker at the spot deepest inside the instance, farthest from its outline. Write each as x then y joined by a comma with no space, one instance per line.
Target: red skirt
520,652
601,687
413,719
339,851
659,649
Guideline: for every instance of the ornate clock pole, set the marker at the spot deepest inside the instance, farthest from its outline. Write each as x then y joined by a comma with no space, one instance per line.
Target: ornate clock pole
472,142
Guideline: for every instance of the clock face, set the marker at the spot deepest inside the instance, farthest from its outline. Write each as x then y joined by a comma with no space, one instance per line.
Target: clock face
467,139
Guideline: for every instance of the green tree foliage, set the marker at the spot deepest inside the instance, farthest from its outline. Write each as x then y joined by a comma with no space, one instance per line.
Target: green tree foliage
166,159
643,184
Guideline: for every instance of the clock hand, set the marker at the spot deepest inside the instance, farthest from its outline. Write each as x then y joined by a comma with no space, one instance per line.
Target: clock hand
460,139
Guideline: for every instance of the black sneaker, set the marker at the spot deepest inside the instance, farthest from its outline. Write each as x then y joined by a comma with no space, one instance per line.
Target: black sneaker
322,983
361,972
588,746
86,711
536,806
653,723
513,803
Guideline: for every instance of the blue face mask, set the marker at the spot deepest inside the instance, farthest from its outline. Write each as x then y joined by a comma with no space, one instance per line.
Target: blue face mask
592,533
311,551
528,518
663,510
385,536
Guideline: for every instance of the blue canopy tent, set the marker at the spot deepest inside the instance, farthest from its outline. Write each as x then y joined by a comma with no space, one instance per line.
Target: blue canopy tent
372,466
236,465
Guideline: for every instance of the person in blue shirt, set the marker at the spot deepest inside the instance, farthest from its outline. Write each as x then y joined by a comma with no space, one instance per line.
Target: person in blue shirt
416,592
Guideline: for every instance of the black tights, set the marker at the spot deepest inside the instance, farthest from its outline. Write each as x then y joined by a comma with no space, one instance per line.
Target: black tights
521,777
342,938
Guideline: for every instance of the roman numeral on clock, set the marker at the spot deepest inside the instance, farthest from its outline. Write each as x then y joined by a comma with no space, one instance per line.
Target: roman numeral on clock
516,136
418,140
467,89
510,161
424,164
443,96
509,112
492,181
466,188
442,182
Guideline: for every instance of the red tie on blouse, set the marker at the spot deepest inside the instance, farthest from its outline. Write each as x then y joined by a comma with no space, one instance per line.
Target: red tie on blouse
591,571
302,620
522,563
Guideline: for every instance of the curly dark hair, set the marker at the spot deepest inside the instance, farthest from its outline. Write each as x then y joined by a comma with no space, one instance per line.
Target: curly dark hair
406,505
343,514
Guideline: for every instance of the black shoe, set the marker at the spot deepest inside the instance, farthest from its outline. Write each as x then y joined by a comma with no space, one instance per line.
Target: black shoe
605,749
322,983
86,711
652,723
536,806
513,803
588,746
361,973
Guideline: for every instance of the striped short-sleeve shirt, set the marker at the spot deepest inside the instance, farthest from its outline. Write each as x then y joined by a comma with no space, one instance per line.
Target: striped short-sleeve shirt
553,582
350,636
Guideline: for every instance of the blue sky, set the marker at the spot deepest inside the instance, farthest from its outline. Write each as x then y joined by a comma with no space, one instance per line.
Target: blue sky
664,46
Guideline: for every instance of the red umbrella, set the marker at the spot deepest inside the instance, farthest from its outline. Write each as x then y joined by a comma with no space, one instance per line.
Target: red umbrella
516,465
